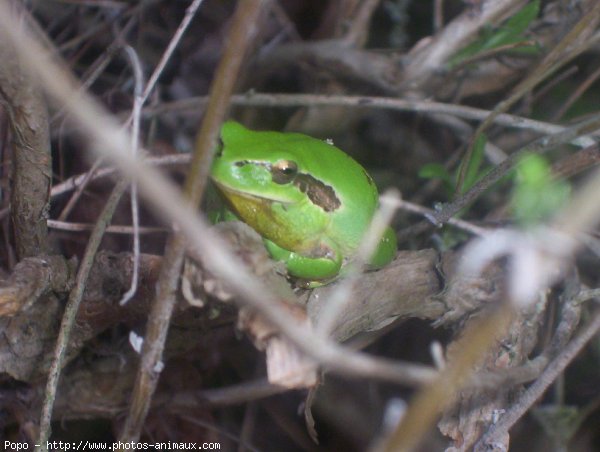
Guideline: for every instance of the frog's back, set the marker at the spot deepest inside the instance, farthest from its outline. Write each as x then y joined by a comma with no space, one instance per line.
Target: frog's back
343,189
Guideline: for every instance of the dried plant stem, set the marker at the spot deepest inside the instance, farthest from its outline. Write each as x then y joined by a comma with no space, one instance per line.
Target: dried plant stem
190,12
135,118
426,60
538,146
280,100
415,106
295,100
582,88
359,25
241,34
438,15
138,102
588,294
71,309
560,55
576,162
112,229
436,396
76,181
430,213
89,78
79,189
103,26
537,389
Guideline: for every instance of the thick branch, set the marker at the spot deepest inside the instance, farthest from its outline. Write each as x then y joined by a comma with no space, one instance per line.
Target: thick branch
28,116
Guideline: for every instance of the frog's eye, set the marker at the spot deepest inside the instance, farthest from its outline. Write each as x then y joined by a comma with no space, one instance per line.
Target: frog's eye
284,171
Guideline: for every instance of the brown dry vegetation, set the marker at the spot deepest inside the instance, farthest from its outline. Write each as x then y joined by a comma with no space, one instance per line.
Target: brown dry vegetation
507,357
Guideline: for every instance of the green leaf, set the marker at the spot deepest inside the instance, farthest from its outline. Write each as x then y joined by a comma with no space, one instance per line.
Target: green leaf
511,32
536,194
435,171
522,19
473,174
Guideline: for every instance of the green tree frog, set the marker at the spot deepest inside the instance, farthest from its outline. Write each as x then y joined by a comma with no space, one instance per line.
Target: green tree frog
311,202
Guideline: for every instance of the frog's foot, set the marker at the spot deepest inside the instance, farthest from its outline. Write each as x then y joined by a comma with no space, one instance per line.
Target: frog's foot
323,265
311,284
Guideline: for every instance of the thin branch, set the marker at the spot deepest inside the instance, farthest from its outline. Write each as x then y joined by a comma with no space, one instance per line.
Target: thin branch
568,48
207,425
71,309
74,182
190,12
415,106
112,229
103,26
140,99
96,69
537,389
101,63
538,146
588,294
475,342
79,189
574,97
358,28
241,34
303,100
576,162
138,102
430,215
438,15
427,60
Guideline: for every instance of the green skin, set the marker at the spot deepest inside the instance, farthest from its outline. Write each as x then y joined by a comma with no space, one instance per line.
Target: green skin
310,201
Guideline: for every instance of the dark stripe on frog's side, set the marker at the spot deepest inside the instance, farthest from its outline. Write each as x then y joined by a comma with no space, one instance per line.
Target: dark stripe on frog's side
320,194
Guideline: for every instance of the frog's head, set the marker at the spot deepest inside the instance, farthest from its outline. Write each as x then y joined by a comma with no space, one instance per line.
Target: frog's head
257,169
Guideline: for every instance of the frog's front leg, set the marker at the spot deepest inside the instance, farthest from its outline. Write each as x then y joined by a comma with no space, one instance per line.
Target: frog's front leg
325,263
